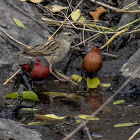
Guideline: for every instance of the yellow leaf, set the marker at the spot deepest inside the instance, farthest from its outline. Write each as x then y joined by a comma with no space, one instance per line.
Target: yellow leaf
82,20
49,117
85,117
105,84
125,124
55,8
34,1
118,102
37,123
29,109
75,15
55,94
93,83
74,97
76,78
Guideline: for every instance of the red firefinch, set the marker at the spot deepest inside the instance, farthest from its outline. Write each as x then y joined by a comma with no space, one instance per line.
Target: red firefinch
93,61
37,68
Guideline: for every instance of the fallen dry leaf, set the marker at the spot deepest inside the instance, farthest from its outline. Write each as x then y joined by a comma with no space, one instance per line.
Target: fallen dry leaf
99,11
56,8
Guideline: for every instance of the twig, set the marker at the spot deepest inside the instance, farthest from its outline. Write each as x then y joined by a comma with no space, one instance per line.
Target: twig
127,25
111,55
84,34
102,106
14,39
12,77
65,77
113,37
134,134
88,134
96,35
131,5
115,9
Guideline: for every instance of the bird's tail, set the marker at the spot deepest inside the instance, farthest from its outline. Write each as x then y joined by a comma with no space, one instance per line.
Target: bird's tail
21,53
17,53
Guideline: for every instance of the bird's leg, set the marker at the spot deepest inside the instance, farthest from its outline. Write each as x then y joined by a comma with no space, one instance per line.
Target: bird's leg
65,78
60,79
24,76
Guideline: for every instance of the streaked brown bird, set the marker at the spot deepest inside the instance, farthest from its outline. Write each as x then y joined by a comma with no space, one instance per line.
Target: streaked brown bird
92,61
54,50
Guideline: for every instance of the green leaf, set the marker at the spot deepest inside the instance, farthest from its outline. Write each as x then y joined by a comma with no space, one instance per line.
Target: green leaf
118,102
115,28
79,120
30,95
10,105
29,109
19,23
77,78
93,83
12,95
75,15
125,124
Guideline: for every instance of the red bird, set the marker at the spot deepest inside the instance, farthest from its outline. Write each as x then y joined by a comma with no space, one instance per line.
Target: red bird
93,61
37,68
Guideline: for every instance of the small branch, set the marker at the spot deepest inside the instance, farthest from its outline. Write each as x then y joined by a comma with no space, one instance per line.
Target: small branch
111,55
134,134
14,39
65,77
113,37
127,25
12,77
88,134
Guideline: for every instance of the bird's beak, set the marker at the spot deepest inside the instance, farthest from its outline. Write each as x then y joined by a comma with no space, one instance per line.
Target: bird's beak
76,36
34,61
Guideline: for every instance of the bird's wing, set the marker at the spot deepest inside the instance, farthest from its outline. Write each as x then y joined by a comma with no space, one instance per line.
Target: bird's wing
49,48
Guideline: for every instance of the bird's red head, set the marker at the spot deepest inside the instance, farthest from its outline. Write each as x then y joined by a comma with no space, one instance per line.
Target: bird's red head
96,48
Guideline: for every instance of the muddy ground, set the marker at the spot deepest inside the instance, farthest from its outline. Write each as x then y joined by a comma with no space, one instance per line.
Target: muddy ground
35,33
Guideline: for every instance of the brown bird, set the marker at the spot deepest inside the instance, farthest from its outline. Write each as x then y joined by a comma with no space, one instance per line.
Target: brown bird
93,61
53,50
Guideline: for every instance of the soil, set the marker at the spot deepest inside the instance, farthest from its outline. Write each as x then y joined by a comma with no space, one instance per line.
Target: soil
36,32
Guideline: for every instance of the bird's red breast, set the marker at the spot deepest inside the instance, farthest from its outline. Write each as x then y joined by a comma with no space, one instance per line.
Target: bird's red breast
92,61
38,68
40,72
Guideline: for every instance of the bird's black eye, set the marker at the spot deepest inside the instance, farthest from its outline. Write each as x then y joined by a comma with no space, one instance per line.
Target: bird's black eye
70,34
39,60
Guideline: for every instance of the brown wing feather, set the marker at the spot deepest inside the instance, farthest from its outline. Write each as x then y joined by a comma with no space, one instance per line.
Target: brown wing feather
49,48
